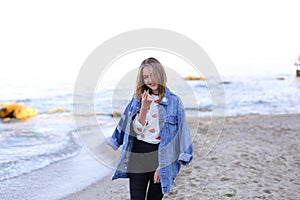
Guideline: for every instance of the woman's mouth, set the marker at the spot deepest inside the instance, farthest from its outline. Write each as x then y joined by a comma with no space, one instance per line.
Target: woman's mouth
152,84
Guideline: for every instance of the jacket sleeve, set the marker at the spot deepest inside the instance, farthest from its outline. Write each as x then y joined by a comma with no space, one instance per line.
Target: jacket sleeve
117,138
185,140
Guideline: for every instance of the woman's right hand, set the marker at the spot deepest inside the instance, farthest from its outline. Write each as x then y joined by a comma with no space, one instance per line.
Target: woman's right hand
146,100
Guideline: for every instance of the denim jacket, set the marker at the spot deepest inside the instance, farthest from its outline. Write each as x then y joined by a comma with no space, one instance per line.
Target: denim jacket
175,148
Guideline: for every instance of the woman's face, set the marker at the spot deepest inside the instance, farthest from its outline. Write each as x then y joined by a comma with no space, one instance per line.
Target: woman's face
149,80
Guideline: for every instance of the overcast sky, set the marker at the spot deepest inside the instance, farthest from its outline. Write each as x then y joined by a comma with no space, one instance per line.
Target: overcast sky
53,38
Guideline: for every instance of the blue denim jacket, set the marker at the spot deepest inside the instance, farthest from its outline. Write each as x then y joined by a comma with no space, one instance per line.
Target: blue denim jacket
175,148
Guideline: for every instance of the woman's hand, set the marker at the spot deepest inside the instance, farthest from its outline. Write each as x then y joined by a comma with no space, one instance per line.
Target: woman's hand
146,100
156,176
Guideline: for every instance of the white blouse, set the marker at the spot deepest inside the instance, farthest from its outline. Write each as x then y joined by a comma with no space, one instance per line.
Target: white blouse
150,131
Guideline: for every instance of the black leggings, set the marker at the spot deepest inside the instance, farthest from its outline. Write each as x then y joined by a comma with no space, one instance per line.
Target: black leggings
143,163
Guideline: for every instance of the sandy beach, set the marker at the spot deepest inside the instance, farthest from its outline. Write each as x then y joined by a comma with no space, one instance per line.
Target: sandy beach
256,157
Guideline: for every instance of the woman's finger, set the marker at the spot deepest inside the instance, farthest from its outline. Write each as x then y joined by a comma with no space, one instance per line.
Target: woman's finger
149,98
156,177
145,95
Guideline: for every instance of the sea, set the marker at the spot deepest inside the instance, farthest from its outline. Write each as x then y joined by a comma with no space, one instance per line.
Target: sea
29,148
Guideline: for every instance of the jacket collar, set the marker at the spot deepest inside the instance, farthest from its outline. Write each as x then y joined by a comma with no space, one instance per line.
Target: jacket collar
165,99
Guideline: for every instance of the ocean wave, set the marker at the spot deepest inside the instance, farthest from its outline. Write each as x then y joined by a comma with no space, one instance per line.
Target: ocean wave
21,153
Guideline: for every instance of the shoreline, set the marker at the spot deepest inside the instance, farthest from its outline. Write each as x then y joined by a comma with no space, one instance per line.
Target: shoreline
256,156
53,181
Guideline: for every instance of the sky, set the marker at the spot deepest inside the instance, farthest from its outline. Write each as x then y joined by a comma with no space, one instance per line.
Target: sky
50,40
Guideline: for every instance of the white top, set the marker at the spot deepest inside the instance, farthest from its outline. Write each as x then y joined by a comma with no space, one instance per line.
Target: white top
150,131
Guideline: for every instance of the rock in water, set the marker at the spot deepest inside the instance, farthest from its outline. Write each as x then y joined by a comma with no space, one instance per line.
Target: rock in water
17,111
56,110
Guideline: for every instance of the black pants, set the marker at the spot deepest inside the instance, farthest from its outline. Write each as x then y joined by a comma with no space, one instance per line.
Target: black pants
143,163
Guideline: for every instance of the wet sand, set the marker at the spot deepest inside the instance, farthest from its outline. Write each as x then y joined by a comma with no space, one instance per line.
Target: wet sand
256,157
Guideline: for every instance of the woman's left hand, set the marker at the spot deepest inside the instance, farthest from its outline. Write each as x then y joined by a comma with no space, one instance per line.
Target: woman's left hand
156,176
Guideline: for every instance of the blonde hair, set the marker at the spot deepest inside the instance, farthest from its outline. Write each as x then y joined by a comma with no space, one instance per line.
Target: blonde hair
159,76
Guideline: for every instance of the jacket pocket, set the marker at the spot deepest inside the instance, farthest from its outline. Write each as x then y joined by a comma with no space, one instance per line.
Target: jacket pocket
172,125
173,120
169,123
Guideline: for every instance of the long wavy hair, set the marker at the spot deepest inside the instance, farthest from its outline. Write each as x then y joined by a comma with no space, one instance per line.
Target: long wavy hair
159,76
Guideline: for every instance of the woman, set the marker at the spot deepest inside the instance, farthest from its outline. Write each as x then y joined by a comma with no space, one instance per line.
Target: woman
155,136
